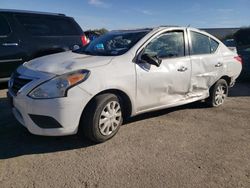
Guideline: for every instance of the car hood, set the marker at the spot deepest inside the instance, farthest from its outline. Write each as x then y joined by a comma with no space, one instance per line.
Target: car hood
66,62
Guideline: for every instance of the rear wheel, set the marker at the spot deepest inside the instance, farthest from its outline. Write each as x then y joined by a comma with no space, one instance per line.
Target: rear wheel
218,93
102,118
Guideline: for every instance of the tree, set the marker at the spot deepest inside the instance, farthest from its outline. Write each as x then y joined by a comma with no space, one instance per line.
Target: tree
243,36
98,31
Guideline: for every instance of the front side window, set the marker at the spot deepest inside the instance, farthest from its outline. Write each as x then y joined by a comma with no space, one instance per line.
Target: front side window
4,27
167,45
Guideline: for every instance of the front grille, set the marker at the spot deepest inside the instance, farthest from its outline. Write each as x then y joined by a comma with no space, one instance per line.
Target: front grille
18,82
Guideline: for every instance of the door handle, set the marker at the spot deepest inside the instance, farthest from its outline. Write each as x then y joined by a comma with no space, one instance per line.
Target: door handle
218,64
10,44
182,69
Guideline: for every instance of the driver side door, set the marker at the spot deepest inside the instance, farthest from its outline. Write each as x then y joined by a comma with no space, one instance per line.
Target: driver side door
168,84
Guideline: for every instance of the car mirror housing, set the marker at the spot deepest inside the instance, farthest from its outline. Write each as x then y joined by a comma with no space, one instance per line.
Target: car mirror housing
153,60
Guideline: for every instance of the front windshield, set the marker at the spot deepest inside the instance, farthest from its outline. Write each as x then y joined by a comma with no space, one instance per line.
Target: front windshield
113,43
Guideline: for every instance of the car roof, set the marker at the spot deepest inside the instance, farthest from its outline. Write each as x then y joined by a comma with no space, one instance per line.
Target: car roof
163,27
157,29
132,30
30,12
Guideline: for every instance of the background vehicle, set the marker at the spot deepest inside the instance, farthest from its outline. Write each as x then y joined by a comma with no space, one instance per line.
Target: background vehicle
231,44
242,38
121,74
91,35
25,35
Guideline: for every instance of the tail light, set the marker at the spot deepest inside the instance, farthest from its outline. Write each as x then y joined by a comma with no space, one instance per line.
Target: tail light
239,59
84,40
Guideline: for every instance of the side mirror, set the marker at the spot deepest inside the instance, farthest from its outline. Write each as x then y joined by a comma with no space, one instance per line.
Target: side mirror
153,60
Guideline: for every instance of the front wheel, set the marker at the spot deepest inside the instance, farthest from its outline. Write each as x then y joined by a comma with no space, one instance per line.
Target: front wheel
102,118
218,93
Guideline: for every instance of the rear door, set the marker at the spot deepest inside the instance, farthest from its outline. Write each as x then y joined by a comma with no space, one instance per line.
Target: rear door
10,51
207,62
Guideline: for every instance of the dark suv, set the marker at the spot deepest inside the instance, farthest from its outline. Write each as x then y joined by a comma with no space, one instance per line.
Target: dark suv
25,35
242,37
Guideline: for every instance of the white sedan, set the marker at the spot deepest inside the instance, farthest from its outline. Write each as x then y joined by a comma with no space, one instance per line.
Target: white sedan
121,74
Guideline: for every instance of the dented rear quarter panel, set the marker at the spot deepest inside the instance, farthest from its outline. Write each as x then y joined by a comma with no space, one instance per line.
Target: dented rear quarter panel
233,67
204,71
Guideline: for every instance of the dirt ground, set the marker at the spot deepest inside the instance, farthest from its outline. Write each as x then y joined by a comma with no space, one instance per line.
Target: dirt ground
188,146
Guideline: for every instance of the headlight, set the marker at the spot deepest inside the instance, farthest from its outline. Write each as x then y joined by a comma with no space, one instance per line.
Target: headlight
58,86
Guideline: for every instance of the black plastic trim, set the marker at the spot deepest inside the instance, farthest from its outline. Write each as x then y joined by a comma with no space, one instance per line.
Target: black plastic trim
45,122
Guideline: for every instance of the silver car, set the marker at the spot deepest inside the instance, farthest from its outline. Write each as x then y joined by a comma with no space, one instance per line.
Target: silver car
121,74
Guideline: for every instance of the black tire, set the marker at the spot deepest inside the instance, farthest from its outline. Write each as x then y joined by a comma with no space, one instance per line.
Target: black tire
213,100
92,115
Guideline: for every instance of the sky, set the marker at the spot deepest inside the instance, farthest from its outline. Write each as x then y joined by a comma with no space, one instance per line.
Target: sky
122,14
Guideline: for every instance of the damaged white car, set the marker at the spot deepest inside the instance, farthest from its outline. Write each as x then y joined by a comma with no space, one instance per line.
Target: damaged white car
121,74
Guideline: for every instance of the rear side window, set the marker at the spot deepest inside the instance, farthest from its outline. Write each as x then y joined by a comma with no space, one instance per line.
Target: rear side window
39,25
214,45
202,44
4,27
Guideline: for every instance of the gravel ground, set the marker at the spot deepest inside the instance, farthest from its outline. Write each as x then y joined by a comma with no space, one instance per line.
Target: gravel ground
188,146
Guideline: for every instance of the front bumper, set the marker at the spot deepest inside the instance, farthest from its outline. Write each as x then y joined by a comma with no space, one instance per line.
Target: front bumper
65,111
48,117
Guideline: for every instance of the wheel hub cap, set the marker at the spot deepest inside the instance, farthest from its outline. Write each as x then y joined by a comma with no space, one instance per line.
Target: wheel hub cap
220,94
110,118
